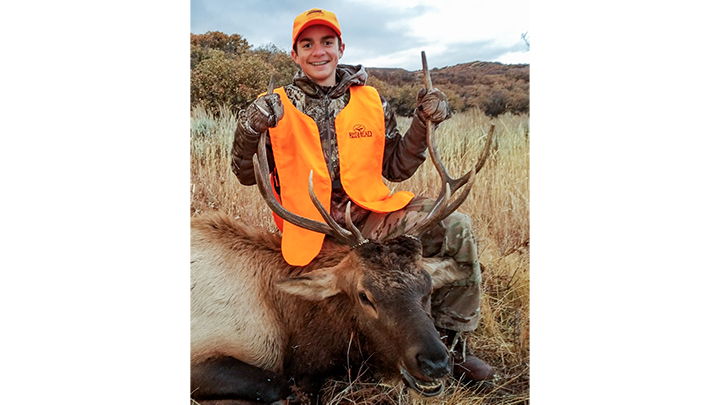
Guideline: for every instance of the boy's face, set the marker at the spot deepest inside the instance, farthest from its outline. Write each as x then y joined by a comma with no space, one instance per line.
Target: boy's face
318,52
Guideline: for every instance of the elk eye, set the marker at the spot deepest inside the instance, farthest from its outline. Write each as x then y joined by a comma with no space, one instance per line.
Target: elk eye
364,298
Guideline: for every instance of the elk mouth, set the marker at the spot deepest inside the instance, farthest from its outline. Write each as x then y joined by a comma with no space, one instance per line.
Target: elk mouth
424,388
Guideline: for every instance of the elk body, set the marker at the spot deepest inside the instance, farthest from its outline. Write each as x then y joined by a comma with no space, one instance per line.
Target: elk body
310,323
260,325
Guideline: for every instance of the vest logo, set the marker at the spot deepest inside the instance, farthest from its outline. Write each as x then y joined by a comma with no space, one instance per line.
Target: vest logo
360,132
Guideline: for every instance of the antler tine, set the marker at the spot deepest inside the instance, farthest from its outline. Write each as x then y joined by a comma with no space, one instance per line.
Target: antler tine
359,239
271,85
353,228
262,177
342,234
438,210
455,184
441,211
434,155
426,72
486,150
460,198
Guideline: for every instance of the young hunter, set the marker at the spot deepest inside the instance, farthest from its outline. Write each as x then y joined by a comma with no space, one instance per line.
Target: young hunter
300,113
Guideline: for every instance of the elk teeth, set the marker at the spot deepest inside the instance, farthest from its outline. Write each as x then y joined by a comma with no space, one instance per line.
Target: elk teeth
424,388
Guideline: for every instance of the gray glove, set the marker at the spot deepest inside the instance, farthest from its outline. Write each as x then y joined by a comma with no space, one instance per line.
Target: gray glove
432,105
264,113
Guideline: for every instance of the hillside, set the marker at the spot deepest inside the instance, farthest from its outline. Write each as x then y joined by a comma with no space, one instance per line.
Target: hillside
490,86
227,71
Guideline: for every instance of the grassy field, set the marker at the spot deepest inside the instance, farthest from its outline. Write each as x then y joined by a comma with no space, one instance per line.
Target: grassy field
498,207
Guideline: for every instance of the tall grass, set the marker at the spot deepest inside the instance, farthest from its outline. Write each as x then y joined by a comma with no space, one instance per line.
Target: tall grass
498,207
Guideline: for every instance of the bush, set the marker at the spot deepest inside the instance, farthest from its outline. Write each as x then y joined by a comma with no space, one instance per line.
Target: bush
219,81
283,64
225,71
496,104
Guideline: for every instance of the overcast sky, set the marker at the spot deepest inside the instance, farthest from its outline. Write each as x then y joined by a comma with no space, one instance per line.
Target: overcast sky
382,33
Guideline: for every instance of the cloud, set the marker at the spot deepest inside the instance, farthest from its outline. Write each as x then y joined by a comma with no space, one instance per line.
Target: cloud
441,55
381,33
260,22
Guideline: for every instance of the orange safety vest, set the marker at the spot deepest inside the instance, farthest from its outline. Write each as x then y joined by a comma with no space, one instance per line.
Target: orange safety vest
360,131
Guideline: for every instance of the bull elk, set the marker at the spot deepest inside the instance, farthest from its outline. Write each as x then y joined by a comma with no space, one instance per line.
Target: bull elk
260,325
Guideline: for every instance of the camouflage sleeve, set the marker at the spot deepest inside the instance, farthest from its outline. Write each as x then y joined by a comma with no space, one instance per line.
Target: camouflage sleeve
243,149
403,154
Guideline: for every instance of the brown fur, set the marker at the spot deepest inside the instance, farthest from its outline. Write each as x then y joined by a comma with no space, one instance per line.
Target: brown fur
310,322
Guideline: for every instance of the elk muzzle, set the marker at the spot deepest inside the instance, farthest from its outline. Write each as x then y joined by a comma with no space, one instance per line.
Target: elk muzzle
430,366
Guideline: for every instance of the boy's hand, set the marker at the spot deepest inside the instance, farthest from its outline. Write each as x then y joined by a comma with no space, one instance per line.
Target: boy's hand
265,112
432,105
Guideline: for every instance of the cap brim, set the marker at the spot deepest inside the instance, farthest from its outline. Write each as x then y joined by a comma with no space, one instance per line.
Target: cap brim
315,22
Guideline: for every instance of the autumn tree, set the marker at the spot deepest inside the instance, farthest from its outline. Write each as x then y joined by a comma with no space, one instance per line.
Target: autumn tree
219,81
232,45
283,64
226,71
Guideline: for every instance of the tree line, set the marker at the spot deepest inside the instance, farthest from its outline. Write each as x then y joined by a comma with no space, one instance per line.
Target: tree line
227,71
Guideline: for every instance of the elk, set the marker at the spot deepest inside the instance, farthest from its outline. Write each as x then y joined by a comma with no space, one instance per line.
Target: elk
260,325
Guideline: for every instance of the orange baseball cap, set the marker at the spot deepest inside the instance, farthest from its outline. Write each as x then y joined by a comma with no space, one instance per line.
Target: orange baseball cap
315,17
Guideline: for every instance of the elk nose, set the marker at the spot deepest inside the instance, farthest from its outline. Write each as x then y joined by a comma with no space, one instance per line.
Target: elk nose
434,364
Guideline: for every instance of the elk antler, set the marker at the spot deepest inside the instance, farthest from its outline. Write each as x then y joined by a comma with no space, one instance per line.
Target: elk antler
442,207
271,86
353,237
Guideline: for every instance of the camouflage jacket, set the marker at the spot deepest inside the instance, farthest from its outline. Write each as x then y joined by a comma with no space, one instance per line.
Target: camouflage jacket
402,156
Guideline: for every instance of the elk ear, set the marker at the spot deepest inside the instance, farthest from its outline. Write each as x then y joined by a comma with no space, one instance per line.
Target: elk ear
315,286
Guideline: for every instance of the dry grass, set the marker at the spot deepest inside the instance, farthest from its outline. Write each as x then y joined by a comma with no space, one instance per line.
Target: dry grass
498,206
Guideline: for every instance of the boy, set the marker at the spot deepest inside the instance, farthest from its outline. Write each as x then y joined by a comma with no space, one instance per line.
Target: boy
309,109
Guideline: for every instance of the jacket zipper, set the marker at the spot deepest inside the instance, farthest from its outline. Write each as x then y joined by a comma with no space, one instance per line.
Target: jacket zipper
326,104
